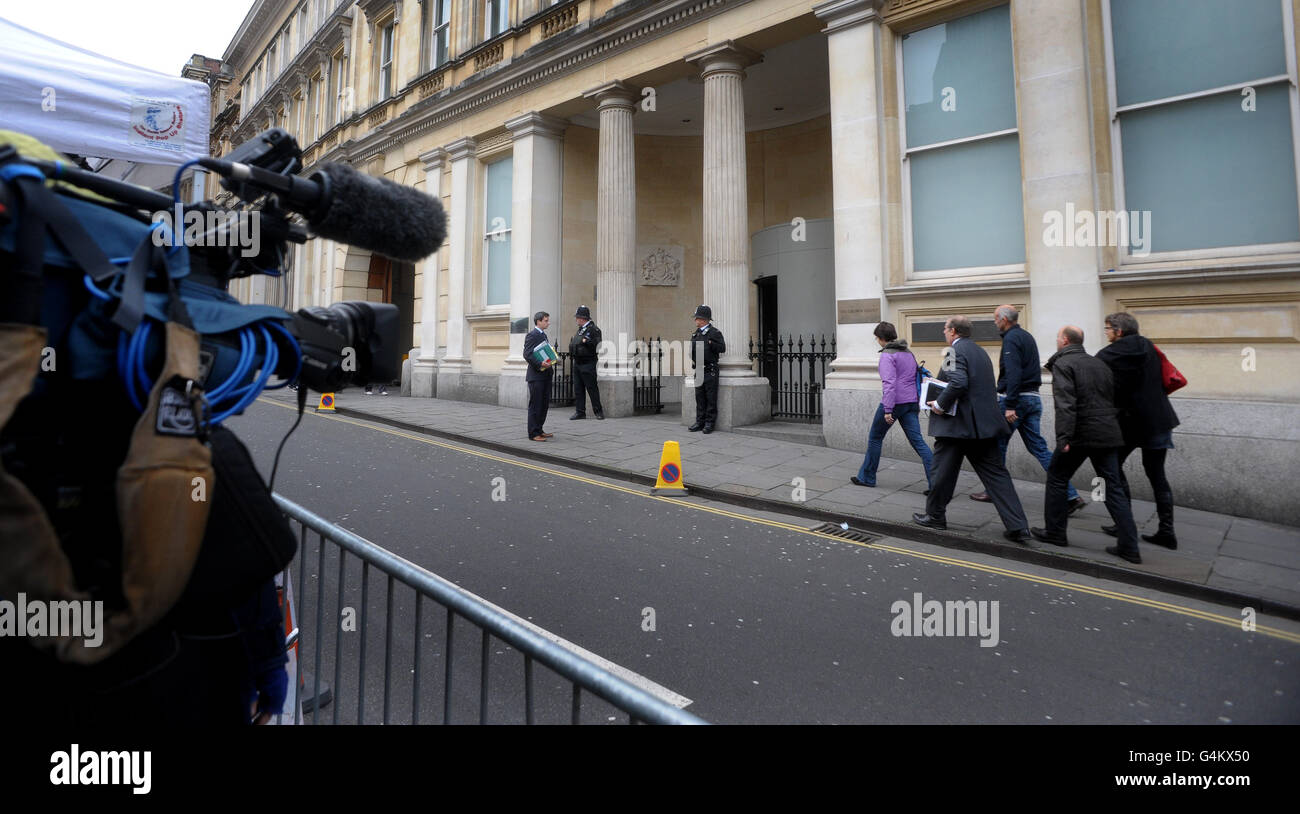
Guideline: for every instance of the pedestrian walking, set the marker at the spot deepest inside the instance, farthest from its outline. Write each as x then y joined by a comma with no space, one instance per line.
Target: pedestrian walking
898,404
966,423
538,378
1087,428
582,350
707,344
1019,377
1146,417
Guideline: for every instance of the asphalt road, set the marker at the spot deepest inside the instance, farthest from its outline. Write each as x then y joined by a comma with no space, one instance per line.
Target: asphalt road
755,620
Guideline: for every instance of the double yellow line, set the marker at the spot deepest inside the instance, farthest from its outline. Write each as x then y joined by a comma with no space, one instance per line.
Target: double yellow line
1155,604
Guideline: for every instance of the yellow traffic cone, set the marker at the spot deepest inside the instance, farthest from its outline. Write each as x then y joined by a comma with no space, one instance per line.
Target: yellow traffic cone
326,403
671,476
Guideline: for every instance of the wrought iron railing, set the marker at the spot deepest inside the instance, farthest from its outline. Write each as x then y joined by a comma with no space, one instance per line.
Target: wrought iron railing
647,376
796,368
562,383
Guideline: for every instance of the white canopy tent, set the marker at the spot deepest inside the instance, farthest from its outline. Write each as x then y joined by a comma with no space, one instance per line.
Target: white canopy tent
144,122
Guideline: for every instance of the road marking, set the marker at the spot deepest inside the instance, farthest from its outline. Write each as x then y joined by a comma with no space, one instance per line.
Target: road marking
1230,621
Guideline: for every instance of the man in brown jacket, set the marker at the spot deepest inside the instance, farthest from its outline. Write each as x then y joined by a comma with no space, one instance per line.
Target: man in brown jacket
1087,427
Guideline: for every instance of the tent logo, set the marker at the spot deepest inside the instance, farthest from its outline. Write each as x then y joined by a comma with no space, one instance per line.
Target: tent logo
157,124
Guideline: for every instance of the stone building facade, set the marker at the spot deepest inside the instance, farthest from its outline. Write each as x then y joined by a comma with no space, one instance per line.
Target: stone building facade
896,160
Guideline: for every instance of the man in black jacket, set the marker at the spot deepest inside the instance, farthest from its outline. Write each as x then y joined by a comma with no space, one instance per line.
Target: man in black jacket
1145,414
1087,427
966,423
1019,378
538,378
707,344
582,350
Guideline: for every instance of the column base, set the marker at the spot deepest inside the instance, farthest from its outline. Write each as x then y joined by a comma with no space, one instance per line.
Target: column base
424,379
450,379
512,387
617,396
741,402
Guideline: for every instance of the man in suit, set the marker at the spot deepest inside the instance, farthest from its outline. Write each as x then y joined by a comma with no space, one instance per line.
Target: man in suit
707,344
538,378
966,423
582,350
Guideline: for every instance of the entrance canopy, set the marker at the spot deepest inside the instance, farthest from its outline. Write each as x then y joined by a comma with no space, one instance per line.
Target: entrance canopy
80,102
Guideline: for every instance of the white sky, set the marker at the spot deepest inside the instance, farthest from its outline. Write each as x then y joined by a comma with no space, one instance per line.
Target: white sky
157,34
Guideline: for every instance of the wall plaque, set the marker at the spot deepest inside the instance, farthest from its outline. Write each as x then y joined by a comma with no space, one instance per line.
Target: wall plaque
857,312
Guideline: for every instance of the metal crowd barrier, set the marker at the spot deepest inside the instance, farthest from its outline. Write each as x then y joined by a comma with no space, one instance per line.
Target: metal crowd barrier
639,705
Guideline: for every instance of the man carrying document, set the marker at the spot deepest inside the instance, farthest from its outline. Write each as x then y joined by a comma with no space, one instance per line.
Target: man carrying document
541,358
966,423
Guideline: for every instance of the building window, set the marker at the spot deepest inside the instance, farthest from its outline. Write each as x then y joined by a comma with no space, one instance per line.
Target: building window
1201,121
386,62
339,100
440,26
496,238
302,27
497,12
312,131
270,63
961,148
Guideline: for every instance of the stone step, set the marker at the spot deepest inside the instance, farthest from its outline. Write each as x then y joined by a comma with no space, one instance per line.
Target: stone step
796,432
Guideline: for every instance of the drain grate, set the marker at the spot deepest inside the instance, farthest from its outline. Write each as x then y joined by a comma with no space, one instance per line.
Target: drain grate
850,533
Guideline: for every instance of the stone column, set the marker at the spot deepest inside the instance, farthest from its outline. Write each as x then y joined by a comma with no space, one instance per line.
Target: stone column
424,366
536,206
858,202
460,242
615,310
1056,161
743,397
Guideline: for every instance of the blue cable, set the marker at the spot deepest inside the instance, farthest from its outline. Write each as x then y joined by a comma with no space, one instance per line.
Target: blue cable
176,199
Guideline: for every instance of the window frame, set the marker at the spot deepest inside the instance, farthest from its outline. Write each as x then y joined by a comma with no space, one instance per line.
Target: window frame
910,274
487,235
387,42
489,18
436,25
1125,261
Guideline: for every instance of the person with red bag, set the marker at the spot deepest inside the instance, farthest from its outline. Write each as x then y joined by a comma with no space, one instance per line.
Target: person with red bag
1146,417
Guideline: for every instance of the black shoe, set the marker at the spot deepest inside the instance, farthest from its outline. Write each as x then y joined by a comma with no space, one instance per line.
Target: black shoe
696,427
600,416
854,480
929,522
1078,504
1133,557
926,493
982,497
708,428
577,416
1017,536
1113,531
1047,537
1160,538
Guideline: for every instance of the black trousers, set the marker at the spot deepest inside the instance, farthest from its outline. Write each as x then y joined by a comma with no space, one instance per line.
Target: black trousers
706,400
584,382
1153,463
539,401
986,459
1105,461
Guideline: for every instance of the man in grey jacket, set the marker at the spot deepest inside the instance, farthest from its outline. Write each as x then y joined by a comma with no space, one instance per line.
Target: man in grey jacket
1087,427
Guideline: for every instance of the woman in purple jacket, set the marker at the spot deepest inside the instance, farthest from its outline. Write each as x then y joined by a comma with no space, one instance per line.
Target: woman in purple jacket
897,404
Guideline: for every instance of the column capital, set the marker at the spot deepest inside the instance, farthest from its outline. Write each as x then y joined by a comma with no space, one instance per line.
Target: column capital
616,94
724,57
434,159
461,148
841,14
536,124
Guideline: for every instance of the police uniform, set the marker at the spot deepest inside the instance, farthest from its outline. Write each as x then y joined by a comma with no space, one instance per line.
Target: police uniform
582,350
707,344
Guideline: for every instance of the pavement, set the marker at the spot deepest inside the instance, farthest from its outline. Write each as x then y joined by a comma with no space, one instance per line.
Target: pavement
1220,558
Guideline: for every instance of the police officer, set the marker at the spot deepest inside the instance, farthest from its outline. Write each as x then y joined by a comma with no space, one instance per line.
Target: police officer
707,345
582,350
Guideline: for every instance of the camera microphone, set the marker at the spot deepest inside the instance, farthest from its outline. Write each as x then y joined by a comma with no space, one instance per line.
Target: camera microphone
351,207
